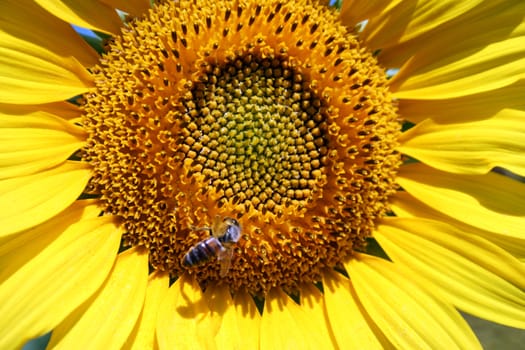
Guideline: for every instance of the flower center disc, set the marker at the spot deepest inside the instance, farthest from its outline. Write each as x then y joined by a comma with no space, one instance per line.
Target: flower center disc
270,114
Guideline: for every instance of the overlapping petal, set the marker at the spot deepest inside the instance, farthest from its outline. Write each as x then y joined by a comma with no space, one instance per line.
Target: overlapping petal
249,320
36,142
41,33
30,200
185,319
409,316
143,336
9,245
406,206
351,325
301,332
37,290
474,274
311,301
65,110
92,14
459,36
496,199
487,54
35,67
409,19
106,319
470,147
493,67
465,108
221,307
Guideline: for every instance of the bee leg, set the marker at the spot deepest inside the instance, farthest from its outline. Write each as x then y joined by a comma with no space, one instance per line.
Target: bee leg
204,228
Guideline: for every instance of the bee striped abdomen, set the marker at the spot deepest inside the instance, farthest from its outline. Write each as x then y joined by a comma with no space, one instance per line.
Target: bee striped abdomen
202,252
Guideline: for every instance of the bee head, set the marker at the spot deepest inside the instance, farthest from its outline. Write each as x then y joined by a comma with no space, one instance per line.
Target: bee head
233,232
231,221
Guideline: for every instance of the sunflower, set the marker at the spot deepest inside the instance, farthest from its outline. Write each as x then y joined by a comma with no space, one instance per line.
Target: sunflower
353,147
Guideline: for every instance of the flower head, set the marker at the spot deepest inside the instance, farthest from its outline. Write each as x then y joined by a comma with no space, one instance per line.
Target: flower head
273,124
250,155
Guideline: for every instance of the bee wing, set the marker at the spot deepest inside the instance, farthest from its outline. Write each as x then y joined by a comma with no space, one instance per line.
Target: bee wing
225,257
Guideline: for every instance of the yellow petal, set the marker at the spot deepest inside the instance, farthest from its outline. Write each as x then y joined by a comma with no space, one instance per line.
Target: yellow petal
491,67
355,11
515,246
490,202
11,247
29,79
107,318
409,19
36,142
408,315
406,206
143,335
300,331
35,67
184,320
87,14
57,270
249,320
133,7
351,326
468,33
474,274
313,305
472,147
221,306
47,81
62,109
29,200
465,108
25,24
277,313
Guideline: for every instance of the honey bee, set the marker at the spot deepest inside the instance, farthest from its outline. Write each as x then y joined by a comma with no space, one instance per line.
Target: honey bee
224,234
